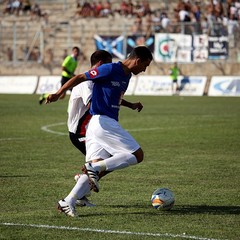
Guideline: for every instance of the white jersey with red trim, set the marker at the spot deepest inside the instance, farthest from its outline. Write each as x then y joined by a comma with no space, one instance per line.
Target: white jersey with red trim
77,106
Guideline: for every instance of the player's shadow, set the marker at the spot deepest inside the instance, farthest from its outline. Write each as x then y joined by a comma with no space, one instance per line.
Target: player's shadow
14,176
196,209
186,209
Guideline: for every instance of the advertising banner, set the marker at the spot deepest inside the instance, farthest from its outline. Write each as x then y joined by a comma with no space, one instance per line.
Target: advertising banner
200,48
224,86
154,85
48,84
162,85
18,84
134,41
192,86
112,44
173,47
217,47
131,86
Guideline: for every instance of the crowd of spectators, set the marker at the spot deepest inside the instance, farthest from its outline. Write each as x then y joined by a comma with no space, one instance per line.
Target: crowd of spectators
105,9
213,17
24,7
206,16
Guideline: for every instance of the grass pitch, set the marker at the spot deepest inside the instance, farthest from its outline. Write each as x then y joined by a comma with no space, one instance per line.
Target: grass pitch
191,145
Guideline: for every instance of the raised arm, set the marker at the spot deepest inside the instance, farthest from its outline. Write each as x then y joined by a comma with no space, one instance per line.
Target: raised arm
68,85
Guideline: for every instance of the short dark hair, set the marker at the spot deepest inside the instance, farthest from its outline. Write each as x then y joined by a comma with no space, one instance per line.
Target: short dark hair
100,55
76,48
141,52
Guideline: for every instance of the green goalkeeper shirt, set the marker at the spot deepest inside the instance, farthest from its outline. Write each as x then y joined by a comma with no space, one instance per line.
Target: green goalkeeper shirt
70,64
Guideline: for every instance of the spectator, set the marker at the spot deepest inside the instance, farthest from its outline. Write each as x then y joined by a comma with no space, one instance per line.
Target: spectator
233,25
16,6
130,8
124,10
26,6
184,17
139,9
137,28
87,10
148,24
218,8
36,12
146,7
156,20
182,11
78,10
165,23
196,11
8,8
205,26
107,9
98,9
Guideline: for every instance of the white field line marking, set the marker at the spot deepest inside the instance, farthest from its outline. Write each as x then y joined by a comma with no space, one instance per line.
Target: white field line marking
46,129
169,235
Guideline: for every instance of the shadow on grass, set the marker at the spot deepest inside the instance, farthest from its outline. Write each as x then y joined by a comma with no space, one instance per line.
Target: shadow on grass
14,176
185,209
195,209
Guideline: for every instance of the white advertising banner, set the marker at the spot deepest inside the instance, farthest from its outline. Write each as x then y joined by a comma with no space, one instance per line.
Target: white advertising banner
154,85
224,86
200,48
18,84
162,85
172,47
48,84
192,86
131,86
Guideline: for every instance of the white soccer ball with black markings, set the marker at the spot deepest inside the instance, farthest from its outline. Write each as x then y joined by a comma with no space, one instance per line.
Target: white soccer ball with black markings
163,199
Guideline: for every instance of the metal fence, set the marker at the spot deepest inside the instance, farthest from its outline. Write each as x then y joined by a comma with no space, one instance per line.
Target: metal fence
36,42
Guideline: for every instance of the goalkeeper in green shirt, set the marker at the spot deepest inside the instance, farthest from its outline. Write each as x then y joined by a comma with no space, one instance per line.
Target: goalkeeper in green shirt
69,66
174,73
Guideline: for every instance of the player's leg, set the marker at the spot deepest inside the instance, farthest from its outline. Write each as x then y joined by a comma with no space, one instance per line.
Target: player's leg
81,188
78,142
114,139
175,86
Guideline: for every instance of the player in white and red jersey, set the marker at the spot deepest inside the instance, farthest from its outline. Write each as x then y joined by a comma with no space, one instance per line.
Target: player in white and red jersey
79,104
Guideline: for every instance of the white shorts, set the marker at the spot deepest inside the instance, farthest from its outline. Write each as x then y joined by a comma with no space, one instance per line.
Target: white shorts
106,137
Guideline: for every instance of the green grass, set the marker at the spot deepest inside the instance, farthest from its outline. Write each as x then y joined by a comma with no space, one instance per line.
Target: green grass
191,145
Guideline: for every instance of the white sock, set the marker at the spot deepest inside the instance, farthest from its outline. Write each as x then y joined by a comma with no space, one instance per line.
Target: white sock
118,161
81,188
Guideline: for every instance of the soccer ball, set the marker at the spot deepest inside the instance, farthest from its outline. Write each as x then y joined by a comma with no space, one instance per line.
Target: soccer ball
163,199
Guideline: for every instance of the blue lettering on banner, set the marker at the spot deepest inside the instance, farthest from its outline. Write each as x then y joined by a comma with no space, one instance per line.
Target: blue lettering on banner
232,87
49,87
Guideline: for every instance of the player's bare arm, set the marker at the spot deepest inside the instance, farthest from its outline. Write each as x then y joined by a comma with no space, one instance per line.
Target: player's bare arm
133,106
68,85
